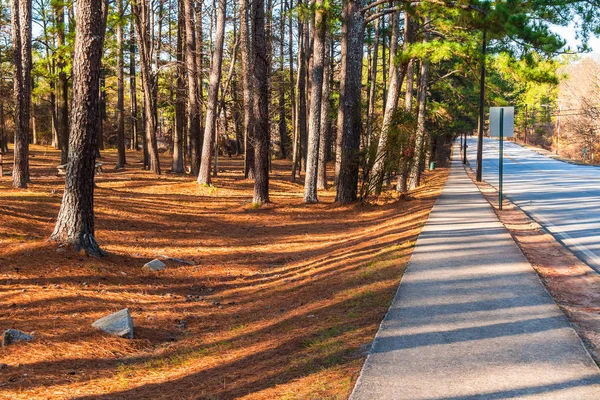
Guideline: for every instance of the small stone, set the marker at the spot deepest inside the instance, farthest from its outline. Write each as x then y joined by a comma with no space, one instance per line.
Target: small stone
119,324
154,265
11,336
61,250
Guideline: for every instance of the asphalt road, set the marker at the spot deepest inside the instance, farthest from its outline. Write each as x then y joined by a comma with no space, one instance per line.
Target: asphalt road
562,197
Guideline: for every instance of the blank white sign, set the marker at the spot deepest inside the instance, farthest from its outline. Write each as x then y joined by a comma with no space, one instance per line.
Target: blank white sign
509,121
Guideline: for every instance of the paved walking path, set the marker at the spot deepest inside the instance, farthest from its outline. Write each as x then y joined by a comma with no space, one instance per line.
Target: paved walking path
472,320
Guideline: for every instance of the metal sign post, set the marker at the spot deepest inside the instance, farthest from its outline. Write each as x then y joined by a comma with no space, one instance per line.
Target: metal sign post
501,160
502,124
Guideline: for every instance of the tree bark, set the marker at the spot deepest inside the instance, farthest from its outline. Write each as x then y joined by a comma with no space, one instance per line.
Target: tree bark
291,76
349,115
318,57
133,88
261,105
213,96
75,222
142,13
282,122
300,131
396,77
63,85
325,125
373,85
21,39
246,62
177,166
415,171
121,160
193,103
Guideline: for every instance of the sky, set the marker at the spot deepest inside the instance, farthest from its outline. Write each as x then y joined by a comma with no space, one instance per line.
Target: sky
569,34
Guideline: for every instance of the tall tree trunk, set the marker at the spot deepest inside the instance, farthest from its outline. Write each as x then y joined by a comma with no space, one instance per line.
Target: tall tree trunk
75,222
21,40
213,96
102,107
261,105
384,59
3,137
177,166
316,90
282,122
63,86
393,95
325,125
373,86
349,116
246,62
304,105
193,104
292,91
133,88
221,109
34,131
415,171
300,130
402,184
142,13
120,90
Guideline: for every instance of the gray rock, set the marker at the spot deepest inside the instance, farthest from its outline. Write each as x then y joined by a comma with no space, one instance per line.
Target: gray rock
154,265
177,260
119,324
11,336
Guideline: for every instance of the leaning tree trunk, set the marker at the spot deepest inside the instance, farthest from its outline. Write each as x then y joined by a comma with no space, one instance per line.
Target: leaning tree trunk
21,40
349,115
120,92
324,139
409,38
75,222
213,96
401,185
177,166
373,86
246,62
316,90
142,13
391,103
261,105
415,171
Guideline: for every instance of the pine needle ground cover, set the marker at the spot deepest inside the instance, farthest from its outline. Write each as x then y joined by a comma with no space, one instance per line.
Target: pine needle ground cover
280,302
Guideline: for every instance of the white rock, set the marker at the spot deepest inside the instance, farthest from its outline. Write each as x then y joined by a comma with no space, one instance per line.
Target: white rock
154,265
119,324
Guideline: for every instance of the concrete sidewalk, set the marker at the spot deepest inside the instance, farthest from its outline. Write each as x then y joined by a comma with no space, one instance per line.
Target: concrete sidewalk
471,319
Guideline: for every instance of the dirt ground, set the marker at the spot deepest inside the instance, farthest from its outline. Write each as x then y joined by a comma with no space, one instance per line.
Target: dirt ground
573,284
281,302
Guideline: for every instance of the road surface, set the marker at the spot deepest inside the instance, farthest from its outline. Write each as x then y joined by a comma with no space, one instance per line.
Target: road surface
562,197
